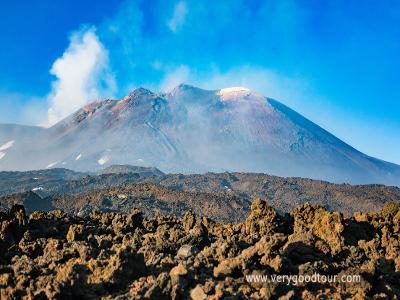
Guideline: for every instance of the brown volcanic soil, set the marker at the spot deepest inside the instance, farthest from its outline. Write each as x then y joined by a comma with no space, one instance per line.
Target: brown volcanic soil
125,256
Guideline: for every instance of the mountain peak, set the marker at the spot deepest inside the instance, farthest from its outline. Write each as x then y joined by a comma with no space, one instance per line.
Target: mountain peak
139,92
134,95
184,86
187,92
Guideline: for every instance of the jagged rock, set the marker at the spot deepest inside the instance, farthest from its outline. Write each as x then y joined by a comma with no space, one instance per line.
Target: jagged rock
262,220
188,220
197,293
124,265
227,267
187,250
178,270
324,224
76,232
126,256
160,289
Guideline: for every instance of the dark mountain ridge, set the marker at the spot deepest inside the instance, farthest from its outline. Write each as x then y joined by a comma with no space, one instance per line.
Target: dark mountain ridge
216,193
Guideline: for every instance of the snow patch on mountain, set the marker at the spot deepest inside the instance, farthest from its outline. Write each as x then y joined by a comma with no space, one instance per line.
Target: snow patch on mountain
104,159
234,89
233,93
241,94
7,145
51,165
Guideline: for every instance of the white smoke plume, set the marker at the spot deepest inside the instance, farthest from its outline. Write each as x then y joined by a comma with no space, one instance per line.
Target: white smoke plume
82,73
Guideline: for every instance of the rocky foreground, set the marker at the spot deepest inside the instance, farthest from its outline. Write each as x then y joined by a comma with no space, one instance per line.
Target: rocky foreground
126,256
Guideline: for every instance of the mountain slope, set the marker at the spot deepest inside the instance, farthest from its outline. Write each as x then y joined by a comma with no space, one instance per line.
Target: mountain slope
191,130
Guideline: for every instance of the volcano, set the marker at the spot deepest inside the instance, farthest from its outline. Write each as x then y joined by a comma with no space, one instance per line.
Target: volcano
192,130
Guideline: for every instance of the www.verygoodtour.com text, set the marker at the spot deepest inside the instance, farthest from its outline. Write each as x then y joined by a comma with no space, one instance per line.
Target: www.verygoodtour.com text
299,279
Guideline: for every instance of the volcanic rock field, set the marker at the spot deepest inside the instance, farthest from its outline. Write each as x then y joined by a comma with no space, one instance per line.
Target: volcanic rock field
55,255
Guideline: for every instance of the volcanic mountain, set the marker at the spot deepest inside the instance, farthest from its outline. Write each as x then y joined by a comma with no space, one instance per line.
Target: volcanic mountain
192,130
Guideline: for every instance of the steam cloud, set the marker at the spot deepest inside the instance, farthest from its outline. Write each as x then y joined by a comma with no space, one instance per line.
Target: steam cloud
82,76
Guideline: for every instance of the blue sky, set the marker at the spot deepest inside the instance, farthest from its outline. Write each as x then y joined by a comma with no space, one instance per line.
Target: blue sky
335,62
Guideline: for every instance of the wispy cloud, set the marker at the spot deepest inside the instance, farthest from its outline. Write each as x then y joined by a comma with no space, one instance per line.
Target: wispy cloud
22,109
82,75
178,17
291,90
180,74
